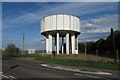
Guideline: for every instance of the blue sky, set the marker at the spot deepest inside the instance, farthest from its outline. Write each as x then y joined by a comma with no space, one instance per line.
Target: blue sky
0,25
24,17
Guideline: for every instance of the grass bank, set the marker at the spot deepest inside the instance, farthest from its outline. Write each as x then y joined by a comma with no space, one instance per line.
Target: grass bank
82,63
25,55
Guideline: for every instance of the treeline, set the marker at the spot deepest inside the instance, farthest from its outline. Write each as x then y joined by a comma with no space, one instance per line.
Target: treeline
108,48
11,50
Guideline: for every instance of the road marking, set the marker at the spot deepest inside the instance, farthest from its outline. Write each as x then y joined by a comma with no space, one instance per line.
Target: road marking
103,73
9,77
92,76
12,77
98,72
77,70
5,76
1,72
69,69
43,65
87,75
79,74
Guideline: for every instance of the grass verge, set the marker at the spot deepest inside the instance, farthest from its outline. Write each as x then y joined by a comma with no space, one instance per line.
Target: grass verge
81,63
25,55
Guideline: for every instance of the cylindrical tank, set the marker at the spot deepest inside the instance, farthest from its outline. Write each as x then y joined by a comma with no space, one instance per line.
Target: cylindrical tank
64,26
60,22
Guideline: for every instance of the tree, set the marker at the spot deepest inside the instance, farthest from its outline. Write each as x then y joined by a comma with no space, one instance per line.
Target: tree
11,50
90,47
113,43
81,47
108,47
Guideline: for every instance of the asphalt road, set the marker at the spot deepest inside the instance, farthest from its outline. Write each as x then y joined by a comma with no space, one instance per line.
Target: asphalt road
29,69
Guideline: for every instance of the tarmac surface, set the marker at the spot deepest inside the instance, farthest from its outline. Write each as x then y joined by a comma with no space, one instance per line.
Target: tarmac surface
27,69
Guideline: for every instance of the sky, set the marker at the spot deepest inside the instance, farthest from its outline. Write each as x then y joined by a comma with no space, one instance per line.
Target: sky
60,0
0,24
96,19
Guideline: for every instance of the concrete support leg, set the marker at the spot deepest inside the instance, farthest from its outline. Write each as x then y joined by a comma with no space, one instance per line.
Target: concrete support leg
73,43
47,44
76,44
67,43
70,44
50,44
62,45
57,43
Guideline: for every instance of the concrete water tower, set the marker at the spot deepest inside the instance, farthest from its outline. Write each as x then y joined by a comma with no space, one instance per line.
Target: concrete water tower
61,26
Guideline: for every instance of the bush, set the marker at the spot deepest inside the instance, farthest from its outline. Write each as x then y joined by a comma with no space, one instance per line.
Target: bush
12,50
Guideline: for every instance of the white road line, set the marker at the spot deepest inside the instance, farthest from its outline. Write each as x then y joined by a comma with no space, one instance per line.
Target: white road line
97,77
103,73
79,74
1,72
69,69
43,65
12,77
92,76
77,70
99,72
5,76
87,75
9,77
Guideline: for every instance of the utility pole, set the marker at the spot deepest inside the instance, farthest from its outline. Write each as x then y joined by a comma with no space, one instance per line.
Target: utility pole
113,39
86,50
23,44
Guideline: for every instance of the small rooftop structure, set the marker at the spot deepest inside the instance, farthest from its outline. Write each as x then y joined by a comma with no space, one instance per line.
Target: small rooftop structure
31,51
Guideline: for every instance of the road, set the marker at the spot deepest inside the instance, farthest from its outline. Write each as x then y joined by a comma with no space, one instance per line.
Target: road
29,69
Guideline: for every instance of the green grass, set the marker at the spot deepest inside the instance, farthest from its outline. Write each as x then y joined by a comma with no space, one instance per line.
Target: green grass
71,62
25,55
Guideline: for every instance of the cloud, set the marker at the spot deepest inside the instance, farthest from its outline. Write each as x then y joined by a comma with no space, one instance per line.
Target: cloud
60,0
0,19
100,24
92,36
0,25
106,19
99,30
27,19
96,28
28,44
89,24
40,40
93,27
78,9
30,17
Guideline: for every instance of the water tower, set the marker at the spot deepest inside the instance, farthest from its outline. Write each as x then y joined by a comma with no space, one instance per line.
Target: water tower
62,26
